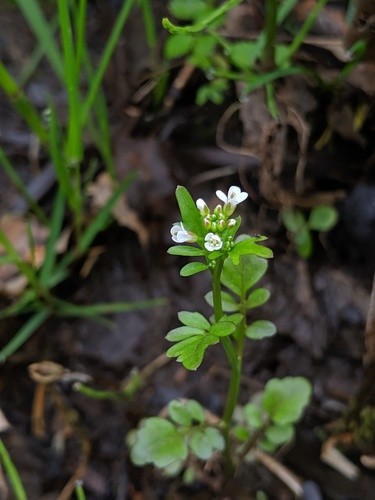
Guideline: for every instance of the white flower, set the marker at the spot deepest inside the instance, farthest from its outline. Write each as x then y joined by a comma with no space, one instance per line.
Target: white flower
180,235
235,196
213,242
202,207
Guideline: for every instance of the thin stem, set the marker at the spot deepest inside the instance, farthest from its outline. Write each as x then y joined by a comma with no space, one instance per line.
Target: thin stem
270,28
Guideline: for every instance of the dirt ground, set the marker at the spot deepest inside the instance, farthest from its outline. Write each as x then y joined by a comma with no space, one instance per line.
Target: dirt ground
320,306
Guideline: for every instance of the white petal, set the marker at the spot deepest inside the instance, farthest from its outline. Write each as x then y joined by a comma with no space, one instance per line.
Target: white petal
223,197
201,204
242,197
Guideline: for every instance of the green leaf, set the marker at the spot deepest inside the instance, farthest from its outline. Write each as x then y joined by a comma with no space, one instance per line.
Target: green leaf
239,278
185,251
253,416
285,399
183,332
193,268
213,91
194,319
178,46
241,433
249,247
322,218
226,325
303,242
158,442
186,413
190,352
241,54
279,434
260,329
204,46
257,298
293,219
204,442
191,216
228,302
187,10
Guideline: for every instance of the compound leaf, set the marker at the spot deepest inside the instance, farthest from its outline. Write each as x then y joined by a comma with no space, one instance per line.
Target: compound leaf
194,319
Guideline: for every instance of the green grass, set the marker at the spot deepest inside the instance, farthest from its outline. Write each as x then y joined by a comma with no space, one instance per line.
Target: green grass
63,42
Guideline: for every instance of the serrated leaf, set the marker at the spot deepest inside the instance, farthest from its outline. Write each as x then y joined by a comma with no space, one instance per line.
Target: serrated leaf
185,251
190,352
188,10
204,442
322,218
194,319
260,329
190,214
293,219
229,304
257,298
178,46
279,434
182,333
239,278
193,268
253,416
285,399
158,442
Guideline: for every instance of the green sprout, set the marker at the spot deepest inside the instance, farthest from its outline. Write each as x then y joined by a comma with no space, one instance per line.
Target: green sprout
321,218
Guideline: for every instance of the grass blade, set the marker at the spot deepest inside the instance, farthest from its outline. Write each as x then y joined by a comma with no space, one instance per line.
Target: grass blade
23,334
57,219
107,54
21,103
12,473
92,310
44,34
18,183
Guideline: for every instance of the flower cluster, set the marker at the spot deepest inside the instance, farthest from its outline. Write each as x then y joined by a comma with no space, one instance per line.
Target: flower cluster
215,222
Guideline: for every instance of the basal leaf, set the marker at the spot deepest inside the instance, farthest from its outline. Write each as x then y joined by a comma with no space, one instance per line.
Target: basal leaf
204,442
194,319
193,268
191,216
185,251
260,329
158,441
253,416
280,434
190,352
285,399
187,412
257,298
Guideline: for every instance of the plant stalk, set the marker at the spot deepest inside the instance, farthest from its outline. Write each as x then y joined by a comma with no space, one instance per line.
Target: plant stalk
270,28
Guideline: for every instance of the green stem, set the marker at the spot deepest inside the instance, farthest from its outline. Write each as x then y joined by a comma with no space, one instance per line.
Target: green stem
270,28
